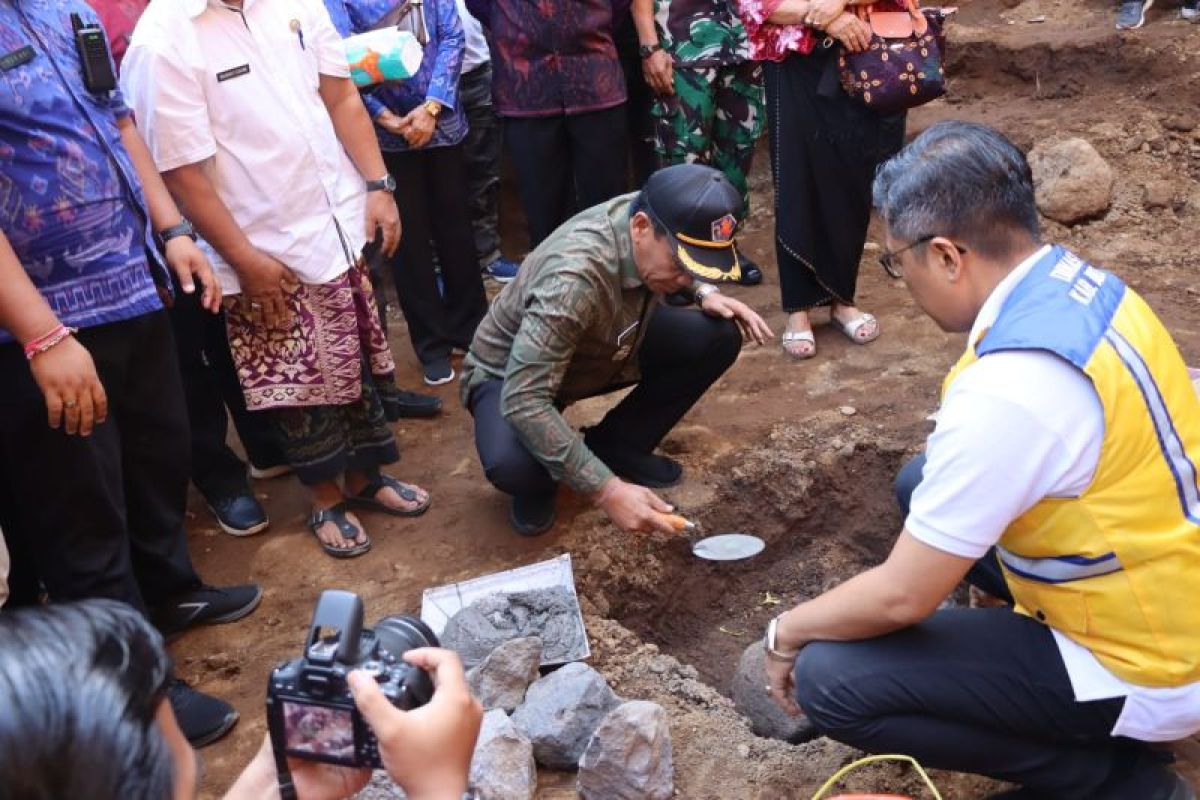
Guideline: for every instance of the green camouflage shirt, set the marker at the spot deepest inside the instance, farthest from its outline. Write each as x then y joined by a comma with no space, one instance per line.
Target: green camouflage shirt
701,33
568,327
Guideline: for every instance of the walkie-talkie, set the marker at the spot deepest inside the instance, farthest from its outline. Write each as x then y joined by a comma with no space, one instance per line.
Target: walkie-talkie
92,44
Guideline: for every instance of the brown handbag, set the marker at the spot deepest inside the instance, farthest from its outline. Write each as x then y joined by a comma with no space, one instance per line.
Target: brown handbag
902,67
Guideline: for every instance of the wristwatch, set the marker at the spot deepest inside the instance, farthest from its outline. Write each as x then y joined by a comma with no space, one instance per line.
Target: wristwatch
433,107
647,50
703,291
385,184
770,642
183,228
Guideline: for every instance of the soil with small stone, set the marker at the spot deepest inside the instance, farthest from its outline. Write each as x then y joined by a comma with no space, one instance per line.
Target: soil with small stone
800,454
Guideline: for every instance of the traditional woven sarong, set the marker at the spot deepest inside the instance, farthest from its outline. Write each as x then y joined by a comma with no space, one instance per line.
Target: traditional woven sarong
315,358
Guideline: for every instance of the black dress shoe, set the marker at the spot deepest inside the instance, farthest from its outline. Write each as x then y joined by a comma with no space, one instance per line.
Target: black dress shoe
202,718
401,404
644,469
532,514
751,274
239,514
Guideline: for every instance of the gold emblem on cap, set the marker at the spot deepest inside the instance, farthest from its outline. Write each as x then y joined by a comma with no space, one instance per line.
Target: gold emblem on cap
706,272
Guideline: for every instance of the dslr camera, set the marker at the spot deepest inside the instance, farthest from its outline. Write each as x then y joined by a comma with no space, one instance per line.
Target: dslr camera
310,711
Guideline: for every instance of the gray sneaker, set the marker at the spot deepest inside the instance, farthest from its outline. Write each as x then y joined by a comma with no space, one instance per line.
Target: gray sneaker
1132,14
1190,10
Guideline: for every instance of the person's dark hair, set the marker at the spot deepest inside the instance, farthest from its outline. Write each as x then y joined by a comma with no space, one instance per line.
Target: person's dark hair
79,687
639,204
963,181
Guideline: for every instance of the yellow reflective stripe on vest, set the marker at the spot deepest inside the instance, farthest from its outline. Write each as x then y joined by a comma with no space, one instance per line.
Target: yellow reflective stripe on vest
1058,569
1182,468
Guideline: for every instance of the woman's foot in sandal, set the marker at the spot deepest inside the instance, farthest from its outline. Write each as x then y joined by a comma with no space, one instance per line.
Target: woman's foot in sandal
857,326
380,492
797,339
338,531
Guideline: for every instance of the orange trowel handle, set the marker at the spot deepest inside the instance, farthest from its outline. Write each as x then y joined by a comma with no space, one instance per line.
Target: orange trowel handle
678,523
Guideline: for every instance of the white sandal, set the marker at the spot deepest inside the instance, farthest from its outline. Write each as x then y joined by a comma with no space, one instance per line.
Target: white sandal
799,336
851,328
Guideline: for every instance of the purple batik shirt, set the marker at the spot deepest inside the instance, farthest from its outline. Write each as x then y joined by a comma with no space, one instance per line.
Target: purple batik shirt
553,57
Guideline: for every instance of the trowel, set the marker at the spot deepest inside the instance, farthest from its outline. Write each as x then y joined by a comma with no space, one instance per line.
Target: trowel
719,547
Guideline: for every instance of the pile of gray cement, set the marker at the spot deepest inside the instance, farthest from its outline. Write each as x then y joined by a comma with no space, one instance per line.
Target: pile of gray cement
550,614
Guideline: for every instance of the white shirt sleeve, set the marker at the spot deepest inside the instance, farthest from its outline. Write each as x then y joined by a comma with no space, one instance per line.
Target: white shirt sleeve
170,107
326,42
1015,428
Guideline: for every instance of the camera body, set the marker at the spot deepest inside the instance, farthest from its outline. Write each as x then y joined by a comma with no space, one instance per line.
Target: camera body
310,711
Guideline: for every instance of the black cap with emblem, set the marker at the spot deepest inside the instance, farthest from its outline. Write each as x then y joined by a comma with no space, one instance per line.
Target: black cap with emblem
701,211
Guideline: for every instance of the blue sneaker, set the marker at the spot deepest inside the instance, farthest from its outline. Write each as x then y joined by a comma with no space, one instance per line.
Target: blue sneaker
501,270
1132,14
1190,10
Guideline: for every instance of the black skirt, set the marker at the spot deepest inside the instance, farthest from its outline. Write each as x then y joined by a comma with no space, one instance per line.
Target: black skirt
825,148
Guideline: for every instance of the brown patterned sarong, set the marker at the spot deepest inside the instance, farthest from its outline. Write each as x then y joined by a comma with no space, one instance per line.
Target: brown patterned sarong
316,357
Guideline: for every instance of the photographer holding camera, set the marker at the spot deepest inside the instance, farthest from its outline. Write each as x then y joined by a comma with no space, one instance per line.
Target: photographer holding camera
83,688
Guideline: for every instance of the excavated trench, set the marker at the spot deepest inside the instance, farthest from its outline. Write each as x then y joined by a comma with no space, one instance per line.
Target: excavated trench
837,518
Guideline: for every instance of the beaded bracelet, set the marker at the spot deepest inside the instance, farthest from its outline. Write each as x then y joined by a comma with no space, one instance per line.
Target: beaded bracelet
47,340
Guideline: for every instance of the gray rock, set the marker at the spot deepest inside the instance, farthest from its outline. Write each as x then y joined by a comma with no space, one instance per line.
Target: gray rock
503,767
551,614
561,712
381,787
1072,182
501,680
752,701
629,756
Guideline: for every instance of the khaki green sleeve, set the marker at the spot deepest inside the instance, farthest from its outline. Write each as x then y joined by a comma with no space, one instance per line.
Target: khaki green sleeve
557,315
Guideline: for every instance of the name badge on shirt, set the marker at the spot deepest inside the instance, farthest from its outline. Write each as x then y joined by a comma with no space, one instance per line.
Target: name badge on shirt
22,55
230,74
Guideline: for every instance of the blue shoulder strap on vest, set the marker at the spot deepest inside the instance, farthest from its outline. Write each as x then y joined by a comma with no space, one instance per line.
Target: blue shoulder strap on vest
1063,305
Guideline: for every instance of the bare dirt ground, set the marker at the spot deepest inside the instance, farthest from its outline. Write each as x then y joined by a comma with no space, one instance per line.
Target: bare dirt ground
768,450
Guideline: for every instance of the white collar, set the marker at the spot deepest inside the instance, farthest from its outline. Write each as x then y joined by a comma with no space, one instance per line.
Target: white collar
195,8
991,307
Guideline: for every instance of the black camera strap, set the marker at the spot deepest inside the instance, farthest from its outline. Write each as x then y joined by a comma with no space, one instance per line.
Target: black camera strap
287,789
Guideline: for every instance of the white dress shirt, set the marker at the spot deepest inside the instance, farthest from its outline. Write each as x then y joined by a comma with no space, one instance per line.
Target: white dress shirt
1014,428
476,54
239,87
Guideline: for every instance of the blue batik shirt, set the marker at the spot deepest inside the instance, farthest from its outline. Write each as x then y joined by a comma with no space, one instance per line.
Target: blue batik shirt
437,79
71,203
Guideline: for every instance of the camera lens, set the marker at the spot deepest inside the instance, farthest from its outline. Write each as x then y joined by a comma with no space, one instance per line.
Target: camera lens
399,634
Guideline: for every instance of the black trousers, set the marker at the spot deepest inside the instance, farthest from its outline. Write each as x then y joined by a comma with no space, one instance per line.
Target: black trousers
102,515
481,150
433,207
975,690
643,158
210,385
566,163
683,354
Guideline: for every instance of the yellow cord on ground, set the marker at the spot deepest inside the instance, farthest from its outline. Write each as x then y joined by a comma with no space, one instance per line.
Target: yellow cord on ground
862,762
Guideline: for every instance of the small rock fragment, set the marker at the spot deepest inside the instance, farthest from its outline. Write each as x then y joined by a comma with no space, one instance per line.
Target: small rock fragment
629,757
1158,194
561,712
503,767
501,679
848,411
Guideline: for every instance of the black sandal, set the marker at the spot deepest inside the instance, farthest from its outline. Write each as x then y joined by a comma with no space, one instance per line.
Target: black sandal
337,515
366,497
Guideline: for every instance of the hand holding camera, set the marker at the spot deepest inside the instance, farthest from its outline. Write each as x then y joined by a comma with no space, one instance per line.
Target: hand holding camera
426,750
358,698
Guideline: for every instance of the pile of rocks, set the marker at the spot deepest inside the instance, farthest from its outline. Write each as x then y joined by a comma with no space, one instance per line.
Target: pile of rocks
569,719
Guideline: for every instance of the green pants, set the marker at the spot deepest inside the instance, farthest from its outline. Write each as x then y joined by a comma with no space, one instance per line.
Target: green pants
715,117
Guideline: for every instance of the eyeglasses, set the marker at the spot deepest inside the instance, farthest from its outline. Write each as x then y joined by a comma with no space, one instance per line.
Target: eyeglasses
891,263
